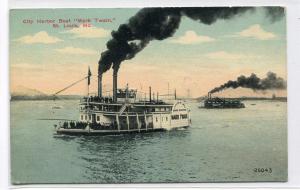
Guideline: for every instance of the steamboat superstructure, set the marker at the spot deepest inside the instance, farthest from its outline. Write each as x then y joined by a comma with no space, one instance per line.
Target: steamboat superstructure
125,113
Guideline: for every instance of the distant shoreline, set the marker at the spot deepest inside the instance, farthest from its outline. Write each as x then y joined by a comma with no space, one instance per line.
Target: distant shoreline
77,97
282,99
254,98
45,97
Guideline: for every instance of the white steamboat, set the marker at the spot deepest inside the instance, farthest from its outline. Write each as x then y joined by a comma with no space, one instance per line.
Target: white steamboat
125,113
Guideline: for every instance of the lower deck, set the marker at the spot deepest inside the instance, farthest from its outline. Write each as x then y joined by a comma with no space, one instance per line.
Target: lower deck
91,132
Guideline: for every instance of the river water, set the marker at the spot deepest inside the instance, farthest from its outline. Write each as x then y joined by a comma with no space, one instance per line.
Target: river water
222,145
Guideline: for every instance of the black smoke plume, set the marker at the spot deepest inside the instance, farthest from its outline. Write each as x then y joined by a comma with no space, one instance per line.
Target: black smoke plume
254,83
160,23
274,13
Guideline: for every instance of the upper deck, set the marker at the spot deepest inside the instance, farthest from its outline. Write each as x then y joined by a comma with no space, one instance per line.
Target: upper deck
106,105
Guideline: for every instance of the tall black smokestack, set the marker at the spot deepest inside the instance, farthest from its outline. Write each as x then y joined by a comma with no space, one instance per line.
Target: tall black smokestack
100,85
150,99
105,57
115,84
208,95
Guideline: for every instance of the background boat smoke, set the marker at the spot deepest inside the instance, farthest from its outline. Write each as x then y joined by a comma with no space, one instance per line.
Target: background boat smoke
254,83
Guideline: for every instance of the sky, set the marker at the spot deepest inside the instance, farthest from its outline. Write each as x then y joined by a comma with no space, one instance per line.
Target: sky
197,58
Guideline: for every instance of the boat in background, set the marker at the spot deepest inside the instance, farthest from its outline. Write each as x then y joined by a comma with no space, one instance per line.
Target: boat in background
221,103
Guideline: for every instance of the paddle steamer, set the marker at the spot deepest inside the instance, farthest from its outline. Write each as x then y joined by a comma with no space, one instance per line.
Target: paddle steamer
125,113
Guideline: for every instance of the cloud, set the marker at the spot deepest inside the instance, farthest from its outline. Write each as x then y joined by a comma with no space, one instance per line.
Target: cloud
88,32
255,31
76,51
223,55
40,37
191,37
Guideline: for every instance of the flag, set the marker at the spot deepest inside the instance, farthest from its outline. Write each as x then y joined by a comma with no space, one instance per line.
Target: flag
89,76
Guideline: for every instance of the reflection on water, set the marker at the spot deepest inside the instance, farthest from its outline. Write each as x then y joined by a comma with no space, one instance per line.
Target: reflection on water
111,158
221,145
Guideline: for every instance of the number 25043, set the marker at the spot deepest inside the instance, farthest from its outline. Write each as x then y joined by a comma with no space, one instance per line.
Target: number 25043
262,170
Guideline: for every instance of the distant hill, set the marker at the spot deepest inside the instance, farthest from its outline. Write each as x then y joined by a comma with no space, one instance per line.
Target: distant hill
24,91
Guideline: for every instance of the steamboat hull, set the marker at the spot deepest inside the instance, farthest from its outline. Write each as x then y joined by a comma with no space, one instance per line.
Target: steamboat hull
105,132
76,132
83,132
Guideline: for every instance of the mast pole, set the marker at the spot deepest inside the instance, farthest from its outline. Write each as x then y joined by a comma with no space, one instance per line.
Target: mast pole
168,90
89,81
88,89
